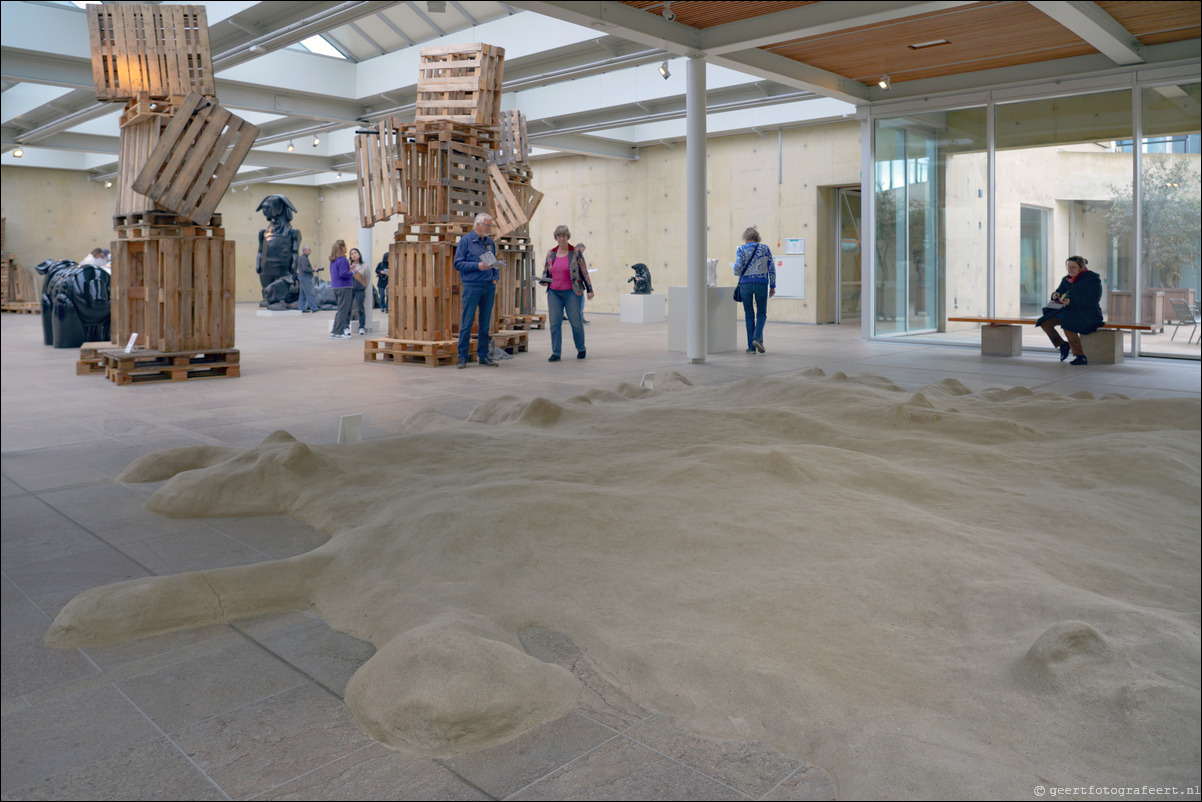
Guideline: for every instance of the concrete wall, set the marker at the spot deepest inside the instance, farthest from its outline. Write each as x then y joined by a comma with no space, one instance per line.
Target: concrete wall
634,211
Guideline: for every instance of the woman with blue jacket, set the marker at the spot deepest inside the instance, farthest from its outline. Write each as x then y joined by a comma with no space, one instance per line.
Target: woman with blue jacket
756,271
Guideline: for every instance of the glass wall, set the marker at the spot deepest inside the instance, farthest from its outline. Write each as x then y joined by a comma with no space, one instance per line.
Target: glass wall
1171,217
930,180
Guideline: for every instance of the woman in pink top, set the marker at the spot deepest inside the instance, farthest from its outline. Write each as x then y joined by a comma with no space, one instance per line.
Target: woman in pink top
566,277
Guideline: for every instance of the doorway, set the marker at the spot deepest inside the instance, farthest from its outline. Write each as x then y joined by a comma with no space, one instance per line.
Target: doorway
847,258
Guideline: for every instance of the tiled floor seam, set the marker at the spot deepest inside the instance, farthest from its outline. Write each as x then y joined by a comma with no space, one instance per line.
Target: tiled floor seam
306,773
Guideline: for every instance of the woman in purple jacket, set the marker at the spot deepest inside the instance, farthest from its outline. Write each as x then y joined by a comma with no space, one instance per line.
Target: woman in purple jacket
341,280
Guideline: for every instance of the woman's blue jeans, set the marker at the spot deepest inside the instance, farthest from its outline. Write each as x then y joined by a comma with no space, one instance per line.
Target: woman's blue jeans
558,303
754,293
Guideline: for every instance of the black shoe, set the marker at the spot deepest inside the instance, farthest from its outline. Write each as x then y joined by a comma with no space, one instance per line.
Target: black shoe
1080,360
488,363
553,358
757,345
462,364
580,354
1064,351
750,351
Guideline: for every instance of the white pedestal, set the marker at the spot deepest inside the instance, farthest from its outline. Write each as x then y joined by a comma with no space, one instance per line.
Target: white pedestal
644,308
721,319
278,312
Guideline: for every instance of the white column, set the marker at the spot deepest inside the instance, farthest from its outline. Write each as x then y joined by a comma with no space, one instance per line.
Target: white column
365,251
696,207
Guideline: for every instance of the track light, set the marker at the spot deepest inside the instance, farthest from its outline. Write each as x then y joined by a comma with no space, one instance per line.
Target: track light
18,153
884,83
663,70
108,184
291,147
316,140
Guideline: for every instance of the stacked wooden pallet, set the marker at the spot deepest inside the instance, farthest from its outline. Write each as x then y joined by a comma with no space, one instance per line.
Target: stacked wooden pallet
17,288
460,83
433,353
148,366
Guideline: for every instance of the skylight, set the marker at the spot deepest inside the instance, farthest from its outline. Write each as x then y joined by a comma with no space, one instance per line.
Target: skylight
319,44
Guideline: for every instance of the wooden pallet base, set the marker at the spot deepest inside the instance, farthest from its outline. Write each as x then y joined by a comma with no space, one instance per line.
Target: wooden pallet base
145,367
524,322
23,307
435,353
90,359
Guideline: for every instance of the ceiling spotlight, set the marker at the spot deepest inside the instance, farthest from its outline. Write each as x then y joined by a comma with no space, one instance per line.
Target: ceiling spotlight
18,153
339,174
291,147
669,14
108,184
316,140
884,83
663,70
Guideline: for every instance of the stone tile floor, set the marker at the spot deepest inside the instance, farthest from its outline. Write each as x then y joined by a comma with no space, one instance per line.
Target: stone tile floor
253,710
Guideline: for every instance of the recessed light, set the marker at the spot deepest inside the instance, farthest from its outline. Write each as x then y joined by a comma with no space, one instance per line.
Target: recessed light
931,43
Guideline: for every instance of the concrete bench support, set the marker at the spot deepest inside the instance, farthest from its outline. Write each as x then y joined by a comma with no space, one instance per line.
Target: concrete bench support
1104,346
1001,340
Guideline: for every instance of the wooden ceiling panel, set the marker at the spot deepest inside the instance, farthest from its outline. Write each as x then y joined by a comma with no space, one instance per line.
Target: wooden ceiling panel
702,15
1155,22
980,36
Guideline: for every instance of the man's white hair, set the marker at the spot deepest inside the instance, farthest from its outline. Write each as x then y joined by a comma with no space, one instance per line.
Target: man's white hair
480,218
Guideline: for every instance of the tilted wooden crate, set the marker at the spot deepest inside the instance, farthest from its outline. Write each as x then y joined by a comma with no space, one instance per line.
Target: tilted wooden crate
377,160
460,82
137,141
195,158
176,293
162,50
516,286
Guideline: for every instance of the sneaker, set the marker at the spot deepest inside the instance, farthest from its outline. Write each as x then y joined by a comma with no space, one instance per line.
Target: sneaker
553,358
362,330
1080,360
580,354
340,336
1064,351
750,351
462,364
757,345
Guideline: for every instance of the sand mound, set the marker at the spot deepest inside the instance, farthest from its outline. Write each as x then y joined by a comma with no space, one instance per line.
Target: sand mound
929,593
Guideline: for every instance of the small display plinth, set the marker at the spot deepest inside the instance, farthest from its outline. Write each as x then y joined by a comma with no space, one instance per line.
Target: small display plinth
644,308
278,312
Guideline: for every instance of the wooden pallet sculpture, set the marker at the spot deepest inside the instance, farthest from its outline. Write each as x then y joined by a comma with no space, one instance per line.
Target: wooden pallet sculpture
195,158
461,83
162,50
377,160
508,215
176,292
516,288
512,145
424,302
144,366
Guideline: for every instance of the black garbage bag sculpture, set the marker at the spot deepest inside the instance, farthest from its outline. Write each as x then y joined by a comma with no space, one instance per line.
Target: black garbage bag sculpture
279,243
75,303
641,279
283,293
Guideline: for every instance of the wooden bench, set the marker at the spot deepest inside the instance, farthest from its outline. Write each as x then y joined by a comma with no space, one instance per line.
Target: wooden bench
1002,336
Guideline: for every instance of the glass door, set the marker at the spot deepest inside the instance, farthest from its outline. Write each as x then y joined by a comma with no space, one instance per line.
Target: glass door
849,281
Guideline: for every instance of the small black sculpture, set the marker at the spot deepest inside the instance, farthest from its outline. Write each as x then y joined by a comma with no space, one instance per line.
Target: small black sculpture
283,293
641,279
75,303
279,243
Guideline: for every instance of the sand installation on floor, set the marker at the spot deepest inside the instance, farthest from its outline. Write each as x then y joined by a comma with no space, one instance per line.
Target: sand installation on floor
927,594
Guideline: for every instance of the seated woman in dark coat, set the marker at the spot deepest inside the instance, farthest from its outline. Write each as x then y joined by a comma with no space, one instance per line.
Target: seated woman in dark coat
1075,307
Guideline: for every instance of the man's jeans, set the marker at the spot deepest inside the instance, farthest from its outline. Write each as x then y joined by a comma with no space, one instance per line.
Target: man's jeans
476,297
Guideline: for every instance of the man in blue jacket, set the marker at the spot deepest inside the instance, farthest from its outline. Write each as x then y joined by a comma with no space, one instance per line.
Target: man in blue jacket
476,259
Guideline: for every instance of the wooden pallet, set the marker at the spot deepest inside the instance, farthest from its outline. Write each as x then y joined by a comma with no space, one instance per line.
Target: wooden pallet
175,292
21,307
17,287
512,145
524,322
428,132
424,302
144,107
436,353
377,160
195,158
137,141
162,50
516,288
148,366
90,358
428,232
460,82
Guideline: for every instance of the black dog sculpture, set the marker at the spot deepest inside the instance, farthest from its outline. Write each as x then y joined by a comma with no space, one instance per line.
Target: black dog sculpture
641,279
75,303
279,243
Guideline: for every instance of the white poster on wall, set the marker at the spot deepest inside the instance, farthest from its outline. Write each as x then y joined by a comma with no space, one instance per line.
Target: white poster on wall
791,269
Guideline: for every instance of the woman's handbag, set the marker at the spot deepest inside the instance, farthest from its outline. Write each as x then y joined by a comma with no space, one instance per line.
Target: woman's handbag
738,296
